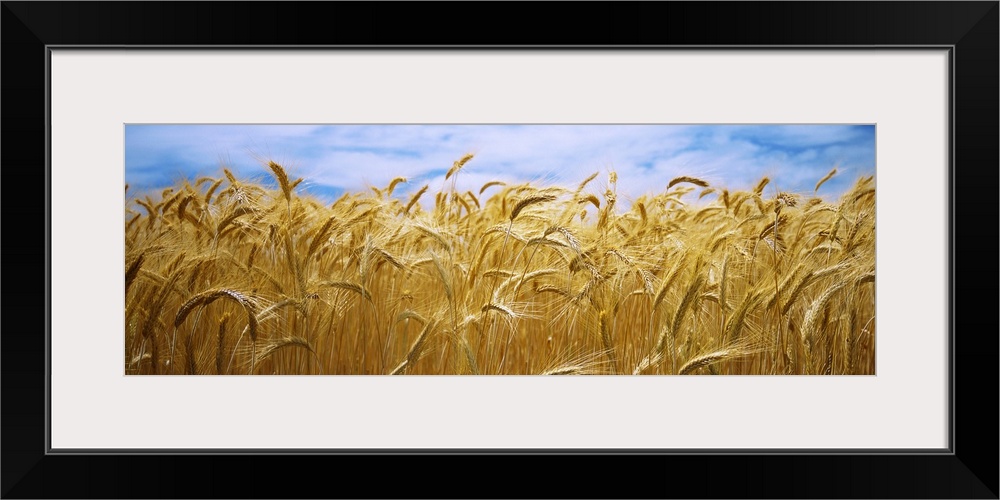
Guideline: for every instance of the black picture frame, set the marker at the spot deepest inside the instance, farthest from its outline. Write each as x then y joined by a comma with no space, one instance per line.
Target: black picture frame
969,468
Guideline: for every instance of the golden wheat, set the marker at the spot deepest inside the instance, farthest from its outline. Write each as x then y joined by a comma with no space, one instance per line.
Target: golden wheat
741,283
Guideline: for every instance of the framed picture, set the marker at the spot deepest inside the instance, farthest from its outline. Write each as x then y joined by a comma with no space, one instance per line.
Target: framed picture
837,358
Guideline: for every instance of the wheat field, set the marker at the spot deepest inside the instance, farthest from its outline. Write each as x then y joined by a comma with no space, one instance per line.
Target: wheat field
227,276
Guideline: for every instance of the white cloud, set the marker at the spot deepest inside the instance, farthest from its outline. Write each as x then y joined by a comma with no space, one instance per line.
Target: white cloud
646,157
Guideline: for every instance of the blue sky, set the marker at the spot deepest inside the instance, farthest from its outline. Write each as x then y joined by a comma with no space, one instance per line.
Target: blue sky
335,158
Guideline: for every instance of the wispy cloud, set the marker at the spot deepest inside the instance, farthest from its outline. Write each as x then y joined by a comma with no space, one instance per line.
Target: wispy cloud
336,158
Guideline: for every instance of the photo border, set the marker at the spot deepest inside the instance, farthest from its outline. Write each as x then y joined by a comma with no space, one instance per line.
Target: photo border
32,30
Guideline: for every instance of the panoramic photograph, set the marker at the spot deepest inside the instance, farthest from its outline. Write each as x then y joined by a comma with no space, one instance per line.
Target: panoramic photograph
499,249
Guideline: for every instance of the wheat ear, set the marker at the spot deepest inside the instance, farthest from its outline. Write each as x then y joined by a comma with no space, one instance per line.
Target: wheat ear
282,177
707,359
825,178
414,198
416,350
527,202
207,297
458,166
692,180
